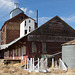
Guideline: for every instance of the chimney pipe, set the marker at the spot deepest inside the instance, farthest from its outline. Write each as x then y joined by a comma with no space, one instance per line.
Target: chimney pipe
37,18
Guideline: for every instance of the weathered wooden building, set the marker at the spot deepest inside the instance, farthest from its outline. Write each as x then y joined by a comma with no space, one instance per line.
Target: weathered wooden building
12,26
45,40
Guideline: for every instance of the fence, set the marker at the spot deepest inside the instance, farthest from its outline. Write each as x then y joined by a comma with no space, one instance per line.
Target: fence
62,65
40,65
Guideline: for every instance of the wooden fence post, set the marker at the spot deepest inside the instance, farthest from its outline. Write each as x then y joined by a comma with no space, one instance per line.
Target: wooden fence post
33,64
52,62
25,63
46,62
55,65
38,64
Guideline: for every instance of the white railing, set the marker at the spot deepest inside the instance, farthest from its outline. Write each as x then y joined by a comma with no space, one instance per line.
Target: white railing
62,66
38,65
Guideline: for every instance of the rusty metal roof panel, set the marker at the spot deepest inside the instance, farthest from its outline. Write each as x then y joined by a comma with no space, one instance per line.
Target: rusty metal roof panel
69,43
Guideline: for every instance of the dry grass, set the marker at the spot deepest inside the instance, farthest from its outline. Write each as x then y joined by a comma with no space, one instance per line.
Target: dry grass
15,70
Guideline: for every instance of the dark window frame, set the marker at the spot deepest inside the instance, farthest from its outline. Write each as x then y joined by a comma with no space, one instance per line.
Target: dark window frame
21,17
29,21
25,31
25,23
29,28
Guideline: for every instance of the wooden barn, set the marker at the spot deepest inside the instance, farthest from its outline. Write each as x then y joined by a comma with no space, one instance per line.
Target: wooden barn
12,26
43,41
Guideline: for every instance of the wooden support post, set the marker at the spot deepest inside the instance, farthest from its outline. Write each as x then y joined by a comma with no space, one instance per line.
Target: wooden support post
33,64
52,62
42,61
38,64
25,63
59,64
22,53
29,63
13,54
8,53
46,63
56,65
62,65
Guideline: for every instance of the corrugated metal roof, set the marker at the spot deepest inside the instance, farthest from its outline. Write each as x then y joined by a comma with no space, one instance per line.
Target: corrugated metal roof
70,43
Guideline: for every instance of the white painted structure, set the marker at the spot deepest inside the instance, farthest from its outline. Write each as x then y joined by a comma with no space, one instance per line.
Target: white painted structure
15,12
13,55
8,54
27,26
62,66
41,65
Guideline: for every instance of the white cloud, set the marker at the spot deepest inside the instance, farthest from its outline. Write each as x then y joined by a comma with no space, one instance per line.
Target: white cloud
31,12
42,20
69,19
24,9
7,4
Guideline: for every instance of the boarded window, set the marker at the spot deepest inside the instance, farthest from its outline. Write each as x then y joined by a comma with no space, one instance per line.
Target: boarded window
34,49
44,47
19,52
24,50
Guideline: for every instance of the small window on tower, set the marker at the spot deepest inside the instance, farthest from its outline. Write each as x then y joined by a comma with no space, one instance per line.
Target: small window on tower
29,28
29,21
25,31
25,23
21,17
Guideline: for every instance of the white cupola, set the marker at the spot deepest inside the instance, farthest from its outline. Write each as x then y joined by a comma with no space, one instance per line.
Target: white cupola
15,11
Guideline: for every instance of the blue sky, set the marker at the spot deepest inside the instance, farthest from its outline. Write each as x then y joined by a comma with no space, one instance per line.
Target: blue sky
47,9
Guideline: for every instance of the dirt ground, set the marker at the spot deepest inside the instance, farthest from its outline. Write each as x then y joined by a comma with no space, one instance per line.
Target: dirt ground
16,70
